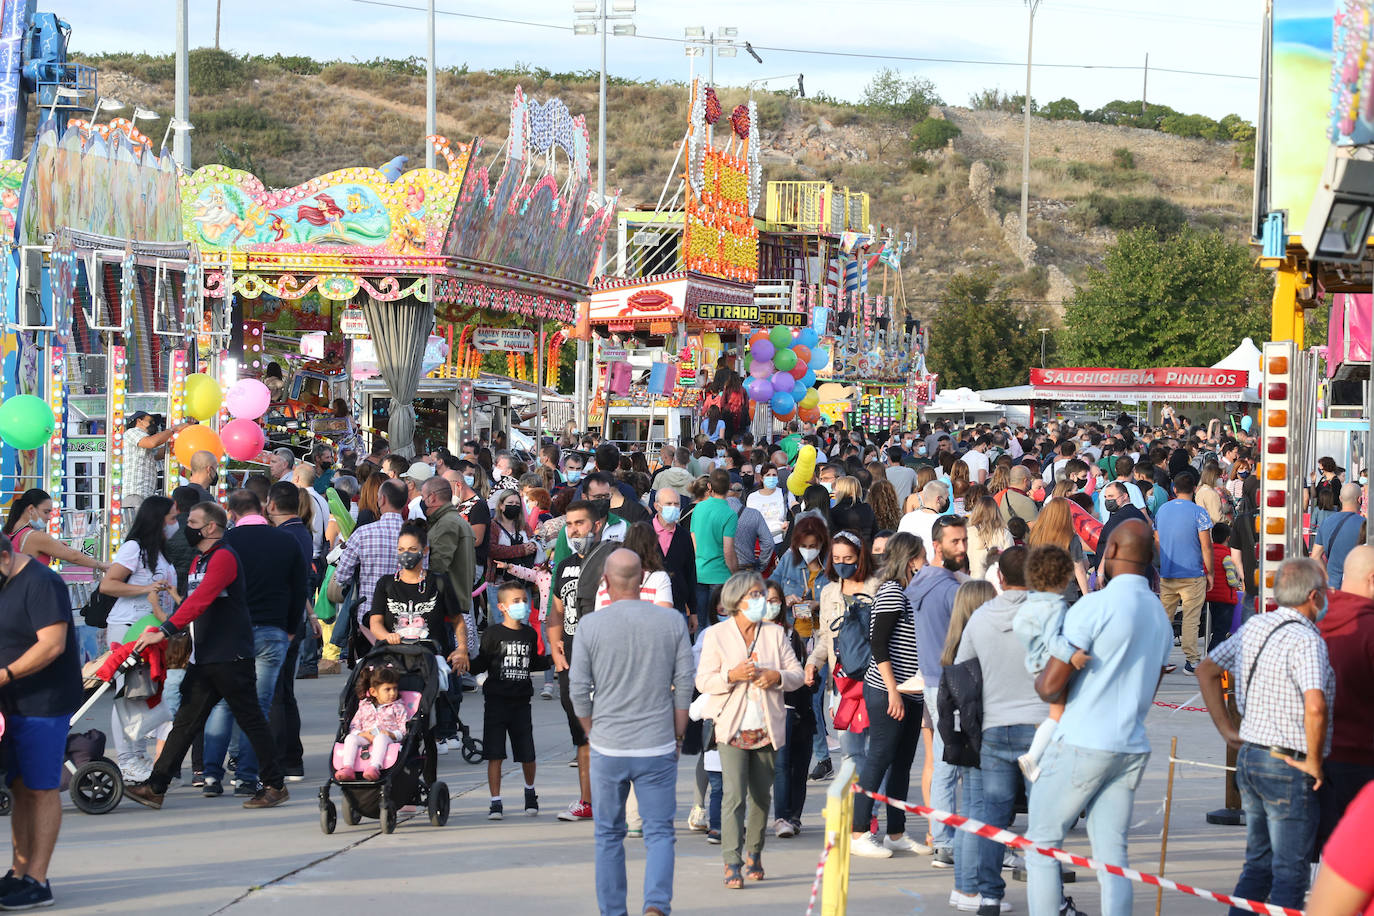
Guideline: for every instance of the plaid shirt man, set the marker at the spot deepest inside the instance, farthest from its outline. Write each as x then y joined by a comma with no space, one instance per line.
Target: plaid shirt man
371,553
1293,662
140,465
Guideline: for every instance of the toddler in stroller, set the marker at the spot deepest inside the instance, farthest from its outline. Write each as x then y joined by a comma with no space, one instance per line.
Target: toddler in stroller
379,722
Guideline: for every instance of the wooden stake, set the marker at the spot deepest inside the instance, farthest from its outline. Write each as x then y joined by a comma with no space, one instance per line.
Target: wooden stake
1168,804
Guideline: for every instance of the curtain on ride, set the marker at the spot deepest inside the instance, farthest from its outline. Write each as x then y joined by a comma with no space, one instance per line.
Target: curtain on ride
399,332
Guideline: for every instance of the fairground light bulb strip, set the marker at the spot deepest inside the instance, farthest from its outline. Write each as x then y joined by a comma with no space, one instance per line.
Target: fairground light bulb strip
176,407
115,411
57,450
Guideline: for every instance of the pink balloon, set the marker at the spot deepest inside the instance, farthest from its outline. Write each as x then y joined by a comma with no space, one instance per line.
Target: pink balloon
761,368
247,399
243,439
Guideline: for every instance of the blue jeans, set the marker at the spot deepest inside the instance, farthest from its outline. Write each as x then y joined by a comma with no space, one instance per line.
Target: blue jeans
944,785
1281,814
655,784
820,748
990,797
794,760
717,793
892,747
1072,779
854,746
705,613
270,644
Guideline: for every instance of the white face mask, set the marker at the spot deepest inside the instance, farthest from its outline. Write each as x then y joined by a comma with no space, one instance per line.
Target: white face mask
170,529
809,554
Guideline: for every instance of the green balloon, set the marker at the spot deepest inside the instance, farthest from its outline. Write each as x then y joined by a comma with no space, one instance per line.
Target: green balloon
780,337
784,360
26,422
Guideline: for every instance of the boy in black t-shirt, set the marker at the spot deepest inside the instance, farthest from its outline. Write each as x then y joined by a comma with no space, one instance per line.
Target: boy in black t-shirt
509,653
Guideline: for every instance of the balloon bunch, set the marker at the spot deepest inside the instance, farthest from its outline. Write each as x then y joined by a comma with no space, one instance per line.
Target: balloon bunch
242,438
782,367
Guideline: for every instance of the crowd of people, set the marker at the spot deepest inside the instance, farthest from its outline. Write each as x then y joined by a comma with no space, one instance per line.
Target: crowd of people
978,617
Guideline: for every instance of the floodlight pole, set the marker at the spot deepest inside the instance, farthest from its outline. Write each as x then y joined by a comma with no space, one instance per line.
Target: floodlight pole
181,140
1025,146
431,126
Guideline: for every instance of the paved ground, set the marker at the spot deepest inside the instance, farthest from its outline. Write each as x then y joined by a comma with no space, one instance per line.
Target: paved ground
201,856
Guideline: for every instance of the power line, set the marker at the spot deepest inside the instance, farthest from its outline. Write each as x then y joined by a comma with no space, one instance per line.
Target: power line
863,55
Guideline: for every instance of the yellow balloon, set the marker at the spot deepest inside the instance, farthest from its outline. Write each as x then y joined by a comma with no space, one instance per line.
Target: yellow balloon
802,472
810,399
203,396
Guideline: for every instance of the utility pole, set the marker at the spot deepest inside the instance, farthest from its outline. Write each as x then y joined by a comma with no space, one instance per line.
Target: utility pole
181,140
430,127
1145,86
218,5
1025,150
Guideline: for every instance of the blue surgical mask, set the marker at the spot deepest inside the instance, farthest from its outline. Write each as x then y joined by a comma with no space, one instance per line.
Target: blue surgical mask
669,514
573,475
755,608
1364,481
829,485
770,482
470,480
773,610
519,611
1322,608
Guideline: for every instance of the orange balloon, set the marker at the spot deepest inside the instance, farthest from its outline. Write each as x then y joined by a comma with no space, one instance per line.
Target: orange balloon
784,417
808,414
757,336
194,439
803,355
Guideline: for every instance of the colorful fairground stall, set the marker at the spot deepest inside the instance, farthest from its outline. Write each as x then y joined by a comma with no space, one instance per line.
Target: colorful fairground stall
371,285
100,321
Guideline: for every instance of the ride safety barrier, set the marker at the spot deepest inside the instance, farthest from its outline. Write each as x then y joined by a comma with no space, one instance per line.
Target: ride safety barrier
835,857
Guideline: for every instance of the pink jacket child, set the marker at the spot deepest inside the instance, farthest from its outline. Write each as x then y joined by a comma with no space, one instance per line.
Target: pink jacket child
379,722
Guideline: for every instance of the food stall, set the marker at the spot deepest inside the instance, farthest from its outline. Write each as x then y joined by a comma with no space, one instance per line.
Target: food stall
1115,387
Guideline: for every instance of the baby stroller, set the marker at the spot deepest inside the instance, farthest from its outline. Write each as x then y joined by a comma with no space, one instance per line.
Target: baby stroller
408,773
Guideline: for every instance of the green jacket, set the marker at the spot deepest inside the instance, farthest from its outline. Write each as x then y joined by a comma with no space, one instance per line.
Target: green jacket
453,551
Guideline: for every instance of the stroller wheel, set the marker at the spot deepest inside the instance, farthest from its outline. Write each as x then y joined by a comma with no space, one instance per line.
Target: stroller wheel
438,804
97,787
329,817
388,820
6,802
472,749
351,817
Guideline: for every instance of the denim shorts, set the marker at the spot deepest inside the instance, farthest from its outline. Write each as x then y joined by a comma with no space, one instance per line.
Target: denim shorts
34,749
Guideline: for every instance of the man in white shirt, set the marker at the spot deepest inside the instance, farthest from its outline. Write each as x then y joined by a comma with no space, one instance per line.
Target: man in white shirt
1055,470
771,502
977,459
921,521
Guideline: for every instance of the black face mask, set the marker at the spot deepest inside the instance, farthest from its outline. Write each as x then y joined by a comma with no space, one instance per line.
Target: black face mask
602,505
326,465
511,512
1110,505
193,536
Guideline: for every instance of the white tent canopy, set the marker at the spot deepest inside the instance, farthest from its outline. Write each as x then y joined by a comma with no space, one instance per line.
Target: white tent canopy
961,401
1245,357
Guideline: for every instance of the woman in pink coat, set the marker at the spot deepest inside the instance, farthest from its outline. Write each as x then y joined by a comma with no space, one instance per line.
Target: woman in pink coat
747,663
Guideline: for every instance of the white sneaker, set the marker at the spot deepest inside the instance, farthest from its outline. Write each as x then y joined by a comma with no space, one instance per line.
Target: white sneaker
697,819
782,828
546,692
1012,860
905,843
441,747
985,905
965,903
1029,768
870,848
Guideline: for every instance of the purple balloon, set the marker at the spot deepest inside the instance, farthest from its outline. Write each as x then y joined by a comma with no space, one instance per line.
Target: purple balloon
760,389
783,381
761,368
763,349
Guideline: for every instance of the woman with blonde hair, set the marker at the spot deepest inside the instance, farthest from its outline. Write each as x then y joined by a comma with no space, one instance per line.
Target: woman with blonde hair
882,497
987,531
1000,479
1054,526
850,513
958,484
972,595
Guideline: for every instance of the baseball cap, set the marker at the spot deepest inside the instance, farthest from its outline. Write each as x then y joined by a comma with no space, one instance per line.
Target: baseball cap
419,472
135,417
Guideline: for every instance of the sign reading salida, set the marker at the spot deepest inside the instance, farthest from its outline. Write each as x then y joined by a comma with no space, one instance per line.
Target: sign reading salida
1162,379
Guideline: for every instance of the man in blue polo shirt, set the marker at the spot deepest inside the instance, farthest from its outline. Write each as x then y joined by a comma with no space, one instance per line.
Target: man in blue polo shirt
40,687
1099,748
1183,532
1338,534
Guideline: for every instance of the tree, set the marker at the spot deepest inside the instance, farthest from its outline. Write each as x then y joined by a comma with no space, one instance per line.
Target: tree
891,94
932,134
981,339
1064,109
1184,300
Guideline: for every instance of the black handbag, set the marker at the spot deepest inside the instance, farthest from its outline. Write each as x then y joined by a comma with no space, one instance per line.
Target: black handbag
96,611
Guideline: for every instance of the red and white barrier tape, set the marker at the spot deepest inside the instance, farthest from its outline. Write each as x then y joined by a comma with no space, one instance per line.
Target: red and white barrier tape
1181,708
820,871
1006,837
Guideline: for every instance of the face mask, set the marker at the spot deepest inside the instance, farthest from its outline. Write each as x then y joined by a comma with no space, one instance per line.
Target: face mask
720,462
37,524
829,485
194,536
920,449
469,480
1364,481
511,512
1110,505
169,530
846,570
519,611
809,554
326,465
573,475
602,505
1321,608
770,482
754,609
669,514
408,559
580,545
773,610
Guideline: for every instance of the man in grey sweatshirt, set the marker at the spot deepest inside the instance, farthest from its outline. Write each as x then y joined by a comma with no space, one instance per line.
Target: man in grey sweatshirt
638,659
1011,711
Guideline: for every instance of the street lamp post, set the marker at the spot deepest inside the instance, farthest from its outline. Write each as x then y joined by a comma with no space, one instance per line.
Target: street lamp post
431,96
1043,332
591,18
1032,5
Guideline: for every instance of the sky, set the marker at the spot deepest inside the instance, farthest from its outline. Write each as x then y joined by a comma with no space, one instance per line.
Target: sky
828,40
